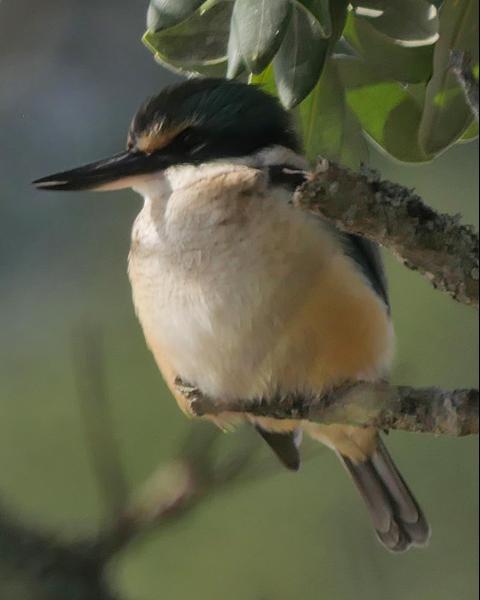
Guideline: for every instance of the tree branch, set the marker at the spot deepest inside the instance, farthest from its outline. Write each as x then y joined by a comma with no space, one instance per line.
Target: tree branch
43,566
37,565
435,244
89,369
380,405
181,485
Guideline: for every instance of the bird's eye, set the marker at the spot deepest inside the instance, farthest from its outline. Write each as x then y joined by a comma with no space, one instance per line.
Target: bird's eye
190,140
187,137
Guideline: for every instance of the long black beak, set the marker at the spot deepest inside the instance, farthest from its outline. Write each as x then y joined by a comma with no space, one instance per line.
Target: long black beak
111,173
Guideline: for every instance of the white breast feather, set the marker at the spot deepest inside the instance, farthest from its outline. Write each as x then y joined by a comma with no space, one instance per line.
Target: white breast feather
217,265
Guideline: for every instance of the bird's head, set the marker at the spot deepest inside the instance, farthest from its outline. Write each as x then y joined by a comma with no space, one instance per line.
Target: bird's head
191,123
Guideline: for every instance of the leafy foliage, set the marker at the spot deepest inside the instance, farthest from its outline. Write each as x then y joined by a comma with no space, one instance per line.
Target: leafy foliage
259,29
446,114
375,69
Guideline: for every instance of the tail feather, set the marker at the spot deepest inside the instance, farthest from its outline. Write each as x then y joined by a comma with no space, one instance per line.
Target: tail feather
398,519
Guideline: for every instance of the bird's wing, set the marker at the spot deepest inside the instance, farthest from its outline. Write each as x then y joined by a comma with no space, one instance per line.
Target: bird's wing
367,256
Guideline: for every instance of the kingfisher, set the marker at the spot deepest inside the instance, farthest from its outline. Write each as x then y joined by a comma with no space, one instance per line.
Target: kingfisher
241,294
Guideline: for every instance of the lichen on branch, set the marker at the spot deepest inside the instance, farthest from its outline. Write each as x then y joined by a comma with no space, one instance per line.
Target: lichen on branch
378,404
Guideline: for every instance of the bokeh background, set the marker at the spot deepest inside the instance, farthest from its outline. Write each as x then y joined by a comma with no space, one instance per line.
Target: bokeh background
71,75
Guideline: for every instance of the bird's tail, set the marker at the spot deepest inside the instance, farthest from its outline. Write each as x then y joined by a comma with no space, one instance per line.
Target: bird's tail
398,519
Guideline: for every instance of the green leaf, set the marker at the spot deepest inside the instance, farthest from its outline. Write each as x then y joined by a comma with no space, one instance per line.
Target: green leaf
259,27
447,115
409,22
369,8
471,133
338,16
354,150
265,80
198,44
235,59
167,13
387,112
300,58
410,65
329,128
320,9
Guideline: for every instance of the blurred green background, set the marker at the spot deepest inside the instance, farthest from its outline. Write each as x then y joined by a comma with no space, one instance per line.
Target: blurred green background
71,75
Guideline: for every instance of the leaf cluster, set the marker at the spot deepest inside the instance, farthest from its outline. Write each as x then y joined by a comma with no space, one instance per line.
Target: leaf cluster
377,70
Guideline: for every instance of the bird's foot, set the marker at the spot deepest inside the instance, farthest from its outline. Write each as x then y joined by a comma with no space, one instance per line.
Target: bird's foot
192,395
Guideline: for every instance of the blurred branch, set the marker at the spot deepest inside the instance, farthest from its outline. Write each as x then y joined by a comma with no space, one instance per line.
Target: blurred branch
461,64
89,366
380,405
42,566
173,490
181,485
437,245
35,565
178,487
